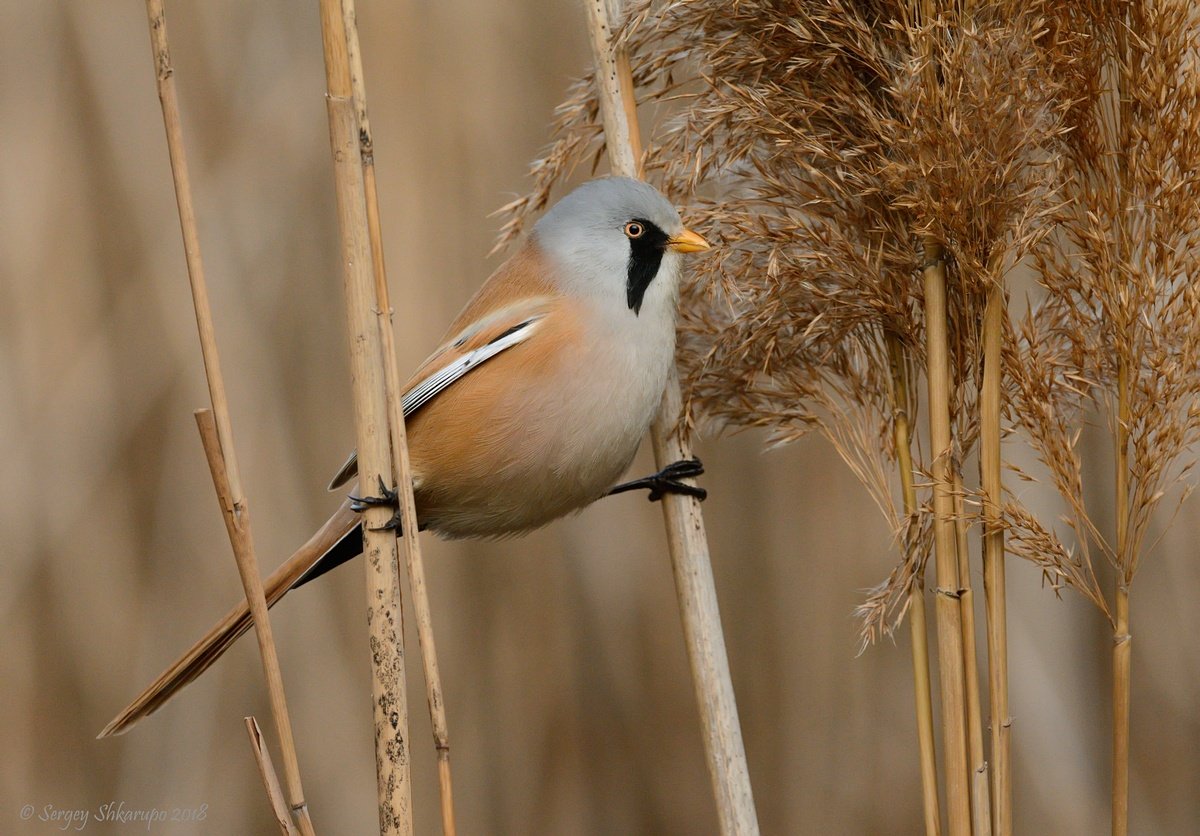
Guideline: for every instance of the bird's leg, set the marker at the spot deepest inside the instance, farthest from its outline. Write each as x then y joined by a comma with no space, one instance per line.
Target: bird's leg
667,481
387,497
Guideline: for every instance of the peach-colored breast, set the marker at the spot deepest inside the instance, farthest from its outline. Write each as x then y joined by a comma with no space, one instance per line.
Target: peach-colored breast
516,442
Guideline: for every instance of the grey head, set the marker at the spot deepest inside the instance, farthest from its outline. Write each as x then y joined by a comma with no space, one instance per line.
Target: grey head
612,238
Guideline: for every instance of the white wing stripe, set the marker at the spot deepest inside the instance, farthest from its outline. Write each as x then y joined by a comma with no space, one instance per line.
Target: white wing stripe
424,391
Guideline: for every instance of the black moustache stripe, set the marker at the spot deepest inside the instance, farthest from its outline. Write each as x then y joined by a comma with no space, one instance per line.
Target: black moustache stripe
645,257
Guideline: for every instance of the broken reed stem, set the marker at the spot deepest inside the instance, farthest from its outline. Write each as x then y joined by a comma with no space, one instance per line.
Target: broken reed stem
948,611
981,806
918,630
243,549
684,521
215,428
400,459
270,780
993,562
1122,640
384,611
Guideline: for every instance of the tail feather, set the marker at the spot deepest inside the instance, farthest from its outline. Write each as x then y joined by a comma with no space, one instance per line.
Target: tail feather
335,540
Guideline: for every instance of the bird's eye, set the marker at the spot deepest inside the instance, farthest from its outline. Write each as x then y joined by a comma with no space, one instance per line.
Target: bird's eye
634,229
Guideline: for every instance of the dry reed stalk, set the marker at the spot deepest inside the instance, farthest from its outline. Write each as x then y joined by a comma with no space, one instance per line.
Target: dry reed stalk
993,561
400,459
981,804
684,521
918,629
1117,328
994,800
384,610
266,770
955,676
1122,650
947,595
215,427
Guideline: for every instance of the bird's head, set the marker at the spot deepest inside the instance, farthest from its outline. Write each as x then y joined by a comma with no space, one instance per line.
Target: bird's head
617,239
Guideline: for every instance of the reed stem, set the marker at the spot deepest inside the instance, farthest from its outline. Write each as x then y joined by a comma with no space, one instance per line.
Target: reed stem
1122,640
981,805
384,606
266,771
216,428
400,460
918,629
993,563
948,610
684,521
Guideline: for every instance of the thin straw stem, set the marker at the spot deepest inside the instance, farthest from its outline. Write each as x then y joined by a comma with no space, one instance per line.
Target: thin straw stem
981,806
266,770
918,629
222,455
400,460
993,563
684,521
948,611
946,598
384,610
1122,640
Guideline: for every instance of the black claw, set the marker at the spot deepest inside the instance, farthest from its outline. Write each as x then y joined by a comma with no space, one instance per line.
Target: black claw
394,524
667,481
666,486
387,497
682,469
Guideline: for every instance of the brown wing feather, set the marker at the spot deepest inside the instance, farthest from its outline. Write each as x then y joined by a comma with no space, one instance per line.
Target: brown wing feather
519,288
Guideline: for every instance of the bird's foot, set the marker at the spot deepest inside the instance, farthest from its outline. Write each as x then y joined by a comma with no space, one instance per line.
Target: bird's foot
387,498
667,481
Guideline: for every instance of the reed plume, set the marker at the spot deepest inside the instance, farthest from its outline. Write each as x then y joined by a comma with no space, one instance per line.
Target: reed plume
1116,331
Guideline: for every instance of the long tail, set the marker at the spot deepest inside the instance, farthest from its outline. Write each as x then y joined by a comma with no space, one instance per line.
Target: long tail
337,541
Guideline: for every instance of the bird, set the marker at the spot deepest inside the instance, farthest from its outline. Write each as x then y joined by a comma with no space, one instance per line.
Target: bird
532,407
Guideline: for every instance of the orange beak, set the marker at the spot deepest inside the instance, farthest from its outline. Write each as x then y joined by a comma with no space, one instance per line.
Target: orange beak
688,242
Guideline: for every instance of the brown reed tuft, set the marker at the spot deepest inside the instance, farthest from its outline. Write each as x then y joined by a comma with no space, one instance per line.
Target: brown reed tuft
837,149
1116,331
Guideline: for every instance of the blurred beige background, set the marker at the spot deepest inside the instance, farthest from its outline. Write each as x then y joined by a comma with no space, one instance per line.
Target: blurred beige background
569,702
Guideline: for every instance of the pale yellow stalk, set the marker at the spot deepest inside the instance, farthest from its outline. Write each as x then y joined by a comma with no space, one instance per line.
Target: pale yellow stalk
384,612
993,564
400,460
684,521
918,629
215,426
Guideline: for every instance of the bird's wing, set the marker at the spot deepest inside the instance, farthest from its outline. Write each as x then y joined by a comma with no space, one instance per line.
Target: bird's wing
466,351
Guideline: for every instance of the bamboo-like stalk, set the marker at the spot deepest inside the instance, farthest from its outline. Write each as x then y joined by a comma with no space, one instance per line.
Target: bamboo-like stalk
684,521
384,611
993,563
400,460
266,770
981,805
216,428
947,609
1122,640
918,629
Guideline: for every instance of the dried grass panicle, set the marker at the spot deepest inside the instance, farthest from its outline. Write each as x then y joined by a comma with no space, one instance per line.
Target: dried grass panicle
804,137
1121,270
